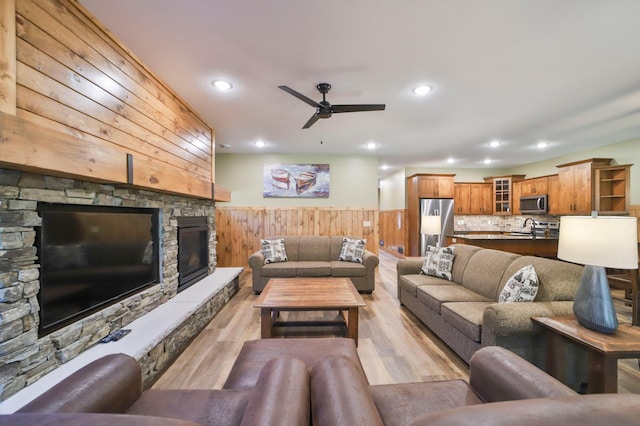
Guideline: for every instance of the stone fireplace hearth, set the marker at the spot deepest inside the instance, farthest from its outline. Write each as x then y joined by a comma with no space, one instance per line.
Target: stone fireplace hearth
24,358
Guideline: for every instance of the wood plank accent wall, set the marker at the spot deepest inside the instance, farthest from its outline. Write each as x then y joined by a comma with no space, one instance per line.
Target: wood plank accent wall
393,231
78,86
7,57
239,229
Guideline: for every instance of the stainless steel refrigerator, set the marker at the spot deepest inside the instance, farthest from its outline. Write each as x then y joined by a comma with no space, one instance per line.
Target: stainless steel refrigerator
436,207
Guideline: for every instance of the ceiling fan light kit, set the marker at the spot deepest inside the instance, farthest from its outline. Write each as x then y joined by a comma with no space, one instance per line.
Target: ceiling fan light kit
324,109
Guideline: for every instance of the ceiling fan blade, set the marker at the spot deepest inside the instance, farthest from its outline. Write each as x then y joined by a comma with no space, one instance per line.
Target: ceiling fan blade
312,120
300,96
356,108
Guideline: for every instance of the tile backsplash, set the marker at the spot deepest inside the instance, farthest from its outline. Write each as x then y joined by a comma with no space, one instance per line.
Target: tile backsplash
495,223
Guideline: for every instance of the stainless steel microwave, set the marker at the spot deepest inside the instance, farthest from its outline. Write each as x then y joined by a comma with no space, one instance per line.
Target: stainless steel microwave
535,204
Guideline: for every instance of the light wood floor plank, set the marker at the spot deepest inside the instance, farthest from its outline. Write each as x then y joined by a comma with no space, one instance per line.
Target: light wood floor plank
394,346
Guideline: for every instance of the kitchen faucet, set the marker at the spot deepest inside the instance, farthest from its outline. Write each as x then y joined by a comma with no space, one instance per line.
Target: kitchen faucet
533,226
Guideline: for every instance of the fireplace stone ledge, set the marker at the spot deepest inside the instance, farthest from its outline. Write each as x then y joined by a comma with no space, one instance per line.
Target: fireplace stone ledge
156,338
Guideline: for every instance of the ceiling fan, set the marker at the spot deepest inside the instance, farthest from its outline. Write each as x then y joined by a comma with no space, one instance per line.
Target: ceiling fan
324,109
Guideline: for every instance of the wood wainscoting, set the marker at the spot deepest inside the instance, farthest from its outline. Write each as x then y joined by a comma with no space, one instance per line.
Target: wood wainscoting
393,231
239,229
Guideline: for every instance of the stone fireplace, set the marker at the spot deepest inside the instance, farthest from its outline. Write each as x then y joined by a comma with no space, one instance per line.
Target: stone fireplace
24,357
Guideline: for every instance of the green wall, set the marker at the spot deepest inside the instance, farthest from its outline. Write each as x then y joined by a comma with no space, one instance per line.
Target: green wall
353,180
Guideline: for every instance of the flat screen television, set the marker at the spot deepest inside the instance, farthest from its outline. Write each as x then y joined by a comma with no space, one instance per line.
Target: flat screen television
91,257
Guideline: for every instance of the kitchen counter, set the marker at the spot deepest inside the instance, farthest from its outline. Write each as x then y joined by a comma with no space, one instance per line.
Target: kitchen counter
523,244
501,236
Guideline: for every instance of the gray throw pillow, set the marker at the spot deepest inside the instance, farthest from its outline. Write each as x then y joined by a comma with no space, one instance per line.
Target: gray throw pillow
352,250
521,287
438,262
274,250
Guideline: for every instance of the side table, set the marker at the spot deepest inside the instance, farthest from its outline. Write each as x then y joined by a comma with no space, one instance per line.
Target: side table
604,350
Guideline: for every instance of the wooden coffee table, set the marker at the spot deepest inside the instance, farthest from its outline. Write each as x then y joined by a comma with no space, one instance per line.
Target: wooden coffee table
309,294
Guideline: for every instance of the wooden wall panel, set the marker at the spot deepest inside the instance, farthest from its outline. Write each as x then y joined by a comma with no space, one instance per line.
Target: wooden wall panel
239,229
72,77
393,231
8,56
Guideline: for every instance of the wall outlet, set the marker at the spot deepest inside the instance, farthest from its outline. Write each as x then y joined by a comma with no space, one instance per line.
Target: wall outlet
366,224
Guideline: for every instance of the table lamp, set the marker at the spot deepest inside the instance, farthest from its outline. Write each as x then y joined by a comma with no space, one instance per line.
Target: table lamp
598,242
431,225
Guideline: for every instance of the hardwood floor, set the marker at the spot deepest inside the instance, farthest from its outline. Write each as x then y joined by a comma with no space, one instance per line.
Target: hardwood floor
394,346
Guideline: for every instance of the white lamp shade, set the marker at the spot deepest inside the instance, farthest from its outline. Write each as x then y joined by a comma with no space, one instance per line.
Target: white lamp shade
430,225
607,241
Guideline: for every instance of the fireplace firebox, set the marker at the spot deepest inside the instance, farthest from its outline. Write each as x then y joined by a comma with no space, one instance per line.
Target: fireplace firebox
193,250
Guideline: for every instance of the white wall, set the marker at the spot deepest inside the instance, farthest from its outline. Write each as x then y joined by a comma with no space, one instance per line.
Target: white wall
353,180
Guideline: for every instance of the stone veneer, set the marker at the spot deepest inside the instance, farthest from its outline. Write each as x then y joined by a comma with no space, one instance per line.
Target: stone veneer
24,357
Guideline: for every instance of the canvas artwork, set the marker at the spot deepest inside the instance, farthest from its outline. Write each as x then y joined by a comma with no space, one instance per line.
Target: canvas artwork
296,180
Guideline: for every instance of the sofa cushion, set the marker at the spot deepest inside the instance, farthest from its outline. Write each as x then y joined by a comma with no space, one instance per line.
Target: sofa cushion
206,407
314,248
463,254
347,269
411,282
564,277
401,404
435,295
280,269
313,269
340,394
485,270
256,353
438,262
466,317
274,250
521,287
352,250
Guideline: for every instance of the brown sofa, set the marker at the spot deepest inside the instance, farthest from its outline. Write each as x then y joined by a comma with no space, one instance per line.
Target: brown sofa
321,379
465,312
314,256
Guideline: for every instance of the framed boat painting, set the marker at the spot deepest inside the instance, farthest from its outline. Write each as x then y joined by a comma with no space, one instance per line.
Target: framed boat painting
295,180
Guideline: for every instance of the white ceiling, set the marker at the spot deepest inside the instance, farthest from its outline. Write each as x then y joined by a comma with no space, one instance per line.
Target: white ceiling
520,71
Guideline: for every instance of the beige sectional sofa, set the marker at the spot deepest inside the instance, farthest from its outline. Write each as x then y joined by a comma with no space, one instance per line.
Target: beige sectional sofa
314,256
465,312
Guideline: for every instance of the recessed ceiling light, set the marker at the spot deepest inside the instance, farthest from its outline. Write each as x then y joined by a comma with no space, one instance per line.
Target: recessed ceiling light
487,161
450,160
422,90
224,145
542,145
494,143
260,144
371,145
222,85
384,167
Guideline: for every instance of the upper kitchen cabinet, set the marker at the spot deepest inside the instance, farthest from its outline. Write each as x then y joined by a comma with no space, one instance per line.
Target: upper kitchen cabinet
535,186
473,198
430,186
553,190
503,193
576,182
612,189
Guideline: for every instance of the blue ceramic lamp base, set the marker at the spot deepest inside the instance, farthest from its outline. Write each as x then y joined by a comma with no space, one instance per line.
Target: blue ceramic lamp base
593,305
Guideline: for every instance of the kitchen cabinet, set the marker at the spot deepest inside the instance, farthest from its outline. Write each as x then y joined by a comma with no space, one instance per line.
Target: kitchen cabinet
432,186
553,190
517,193
423,185
503,193
535,186
612,189
473,198
576,185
